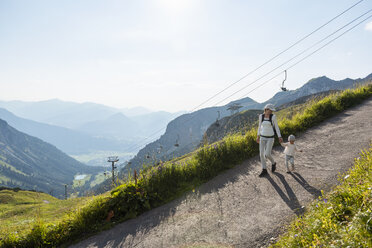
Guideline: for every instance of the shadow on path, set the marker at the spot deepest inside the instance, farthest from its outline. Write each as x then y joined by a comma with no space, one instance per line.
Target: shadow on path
314,191
290,198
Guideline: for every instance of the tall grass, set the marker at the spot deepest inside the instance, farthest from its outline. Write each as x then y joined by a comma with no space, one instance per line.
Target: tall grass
160,184
342,218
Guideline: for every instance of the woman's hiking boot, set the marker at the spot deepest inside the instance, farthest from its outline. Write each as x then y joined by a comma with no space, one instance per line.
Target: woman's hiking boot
263,173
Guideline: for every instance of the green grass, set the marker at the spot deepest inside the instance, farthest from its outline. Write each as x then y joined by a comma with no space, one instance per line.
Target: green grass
81,182
95,158
6,165
21,210
160,184
4,179
342,218
98,179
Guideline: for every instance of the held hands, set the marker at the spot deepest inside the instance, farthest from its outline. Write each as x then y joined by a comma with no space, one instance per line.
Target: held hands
258,139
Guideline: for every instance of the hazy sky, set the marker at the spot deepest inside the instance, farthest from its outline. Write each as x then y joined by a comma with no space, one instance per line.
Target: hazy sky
170,54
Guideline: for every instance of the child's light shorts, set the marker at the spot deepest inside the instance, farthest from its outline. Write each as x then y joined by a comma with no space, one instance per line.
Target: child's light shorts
289,158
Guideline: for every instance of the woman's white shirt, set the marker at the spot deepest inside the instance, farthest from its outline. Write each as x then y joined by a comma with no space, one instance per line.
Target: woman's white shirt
266,129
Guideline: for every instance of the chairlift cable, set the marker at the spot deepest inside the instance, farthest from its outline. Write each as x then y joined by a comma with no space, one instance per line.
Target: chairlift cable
277,55
312,53
307,49
134,147
268,61
307,56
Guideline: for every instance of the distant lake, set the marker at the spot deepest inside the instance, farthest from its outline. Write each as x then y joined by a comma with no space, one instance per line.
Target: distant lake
80,177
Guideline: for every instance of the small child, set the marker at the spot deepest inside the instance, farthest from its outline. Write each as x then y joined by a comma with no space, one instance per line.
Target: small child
289,151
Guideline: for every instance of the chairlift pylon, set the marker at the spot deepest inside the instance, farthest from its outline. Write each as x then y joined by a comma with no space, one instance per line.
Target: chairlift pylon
218,118
285,78
160,148
176,144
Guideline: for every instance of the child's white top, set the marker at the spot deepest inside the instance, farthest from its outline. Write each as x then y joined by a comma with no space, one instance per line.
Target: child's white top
289,148
265,128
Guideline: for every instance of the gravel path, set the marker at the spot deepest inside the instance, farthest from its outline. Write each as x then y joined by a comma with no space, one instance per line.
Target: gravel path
239,209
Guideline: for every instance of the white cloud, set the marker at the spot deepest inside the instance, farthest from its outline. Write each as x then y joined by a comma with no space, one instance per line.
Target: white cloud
368,26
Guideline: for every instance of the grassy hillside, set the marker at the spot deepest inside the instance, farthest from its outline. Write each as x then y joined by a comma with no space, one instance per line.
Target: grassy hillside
342,218
160,184
20,210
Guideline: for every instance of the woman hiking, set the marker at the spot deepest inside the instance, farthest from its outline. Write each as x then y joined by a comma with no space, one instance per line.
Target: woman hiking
267,128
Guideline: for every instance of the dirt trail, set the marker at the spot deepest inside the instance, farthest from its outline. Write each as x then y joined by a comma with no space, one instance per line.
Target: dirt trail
239,209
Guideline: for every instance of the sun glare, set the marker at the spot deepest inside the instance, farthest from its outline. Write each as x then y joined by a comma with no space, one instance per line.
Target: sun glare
176,6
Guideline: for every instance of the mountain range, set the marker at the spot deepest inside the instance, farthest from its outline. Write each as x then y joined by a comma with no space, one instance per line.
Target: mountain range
30,163
70,141
82,129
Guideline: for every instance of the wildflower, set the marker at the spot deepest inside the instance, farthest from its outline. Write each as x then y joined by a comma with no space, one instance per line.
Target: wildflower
317,205
325,200
296,235
346,176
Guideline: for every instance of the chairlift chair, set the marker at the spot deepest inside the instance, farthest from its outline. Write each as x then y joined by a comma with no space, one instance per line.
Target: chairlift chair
285,78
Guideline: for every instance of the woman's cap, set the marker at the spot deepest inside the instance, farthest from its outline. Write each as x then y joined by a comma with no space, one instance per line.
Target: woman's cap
270,106
291,137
